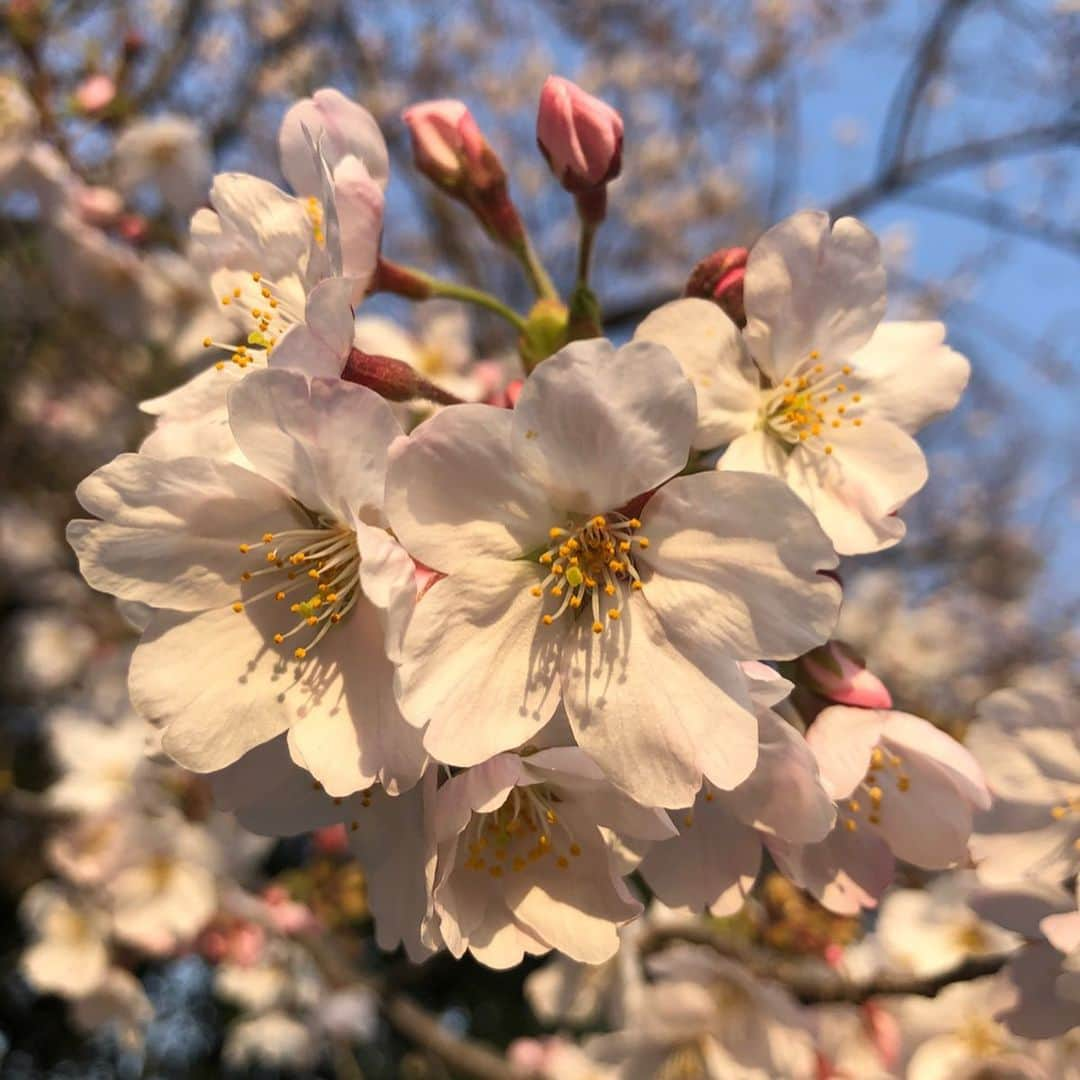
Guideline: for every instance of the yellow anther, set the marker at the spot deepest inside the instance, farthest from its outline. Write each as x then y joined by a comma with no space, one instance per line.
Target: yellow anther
279,596
802,436
335,617
634,523
903,782
841,388
256,276
207,342
226,301
300,653
555,532
575,601
874,819
496,871
279,639
624,545
220,365
518,863
599,521
575,850
814,354
543,842
245,548
313,574
875,794
709,796
688,821
246,575
597,627
548,620
1059,812
636,586
546,557
562,862
850,825
238,607
846,369
836,423
311,620
536,591
857,423
877,758
610,590
331,597
828,449
854,806
613,614
643,541
819,368
237,293
551,817
267,537
856,397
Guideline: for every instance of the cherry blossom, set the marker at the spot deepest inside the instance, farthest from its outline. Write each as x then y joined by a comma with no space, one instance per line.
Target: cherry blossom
817,390
569,573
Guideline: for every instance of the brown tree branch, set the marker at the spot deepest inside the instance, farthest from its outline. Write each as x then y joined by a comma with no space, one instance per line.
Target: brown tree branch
811,981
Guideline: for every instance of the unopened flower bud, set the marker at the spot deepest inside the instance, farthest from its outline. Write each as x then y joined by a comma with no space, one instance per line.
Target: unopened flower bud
451,151
720,277
837,672
393,379
579,135
95,93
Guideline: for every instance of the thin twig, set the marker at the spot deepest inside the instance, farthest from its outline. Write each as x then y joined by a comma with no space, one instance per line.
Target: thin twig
813,982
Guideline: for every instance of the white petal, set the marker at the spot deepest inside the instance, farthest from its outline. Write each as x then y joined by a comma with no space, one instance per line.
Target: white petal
320,346
733,560
842,739
756,451
212,682
710,350
397,873
272,796
358,205
454,496
908,375
596,427
274,227
478,665
339,127
353,733
323,440
784,794
192,400
650,717
711,864
873,470
171,531
809,287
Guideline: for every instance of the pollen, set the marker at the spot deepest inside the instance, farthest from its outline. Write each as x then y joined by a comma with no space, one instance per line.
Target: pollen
238,607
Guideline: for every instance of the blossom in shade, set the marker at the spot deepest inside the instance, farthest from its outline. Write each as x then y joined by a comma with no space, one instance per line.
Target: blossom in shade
816,389
714,861
579,564
1028,743
279,596
903,789
523,866
67,955
168,152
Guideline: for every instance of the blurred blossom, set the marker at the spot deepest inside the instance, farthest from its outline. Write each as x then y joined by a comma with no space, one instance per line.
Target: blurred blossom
170,154
95,93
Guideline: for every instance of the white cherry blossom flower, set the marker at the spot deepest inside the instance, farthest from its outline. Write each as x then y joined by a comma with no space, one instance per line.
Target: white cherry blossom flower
707,1017
814,390
279,594
68,954
932,930
272,796
568,572
523,866
714,861
902,787
168,152
1028,742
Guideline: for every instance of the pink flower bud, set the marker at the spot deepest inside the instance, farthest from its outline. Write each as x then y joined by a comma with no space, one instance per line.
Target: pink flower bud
451,151
720,277
95,93
331,840
837,672
579,135
448,146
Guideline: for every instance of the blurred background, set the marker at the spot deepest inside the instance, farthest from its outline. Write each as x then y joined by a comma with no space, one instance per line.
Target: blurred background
950,127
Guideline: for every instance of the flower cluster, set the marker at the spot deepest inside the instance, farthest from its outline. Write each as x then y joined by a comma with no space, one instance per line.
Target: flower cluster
531,645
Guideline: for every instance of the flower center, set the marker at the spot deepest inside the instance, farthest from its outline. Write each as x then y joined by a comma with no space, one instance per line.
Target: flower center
323,561
271,313
591,565
523,830
870,789
809,404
